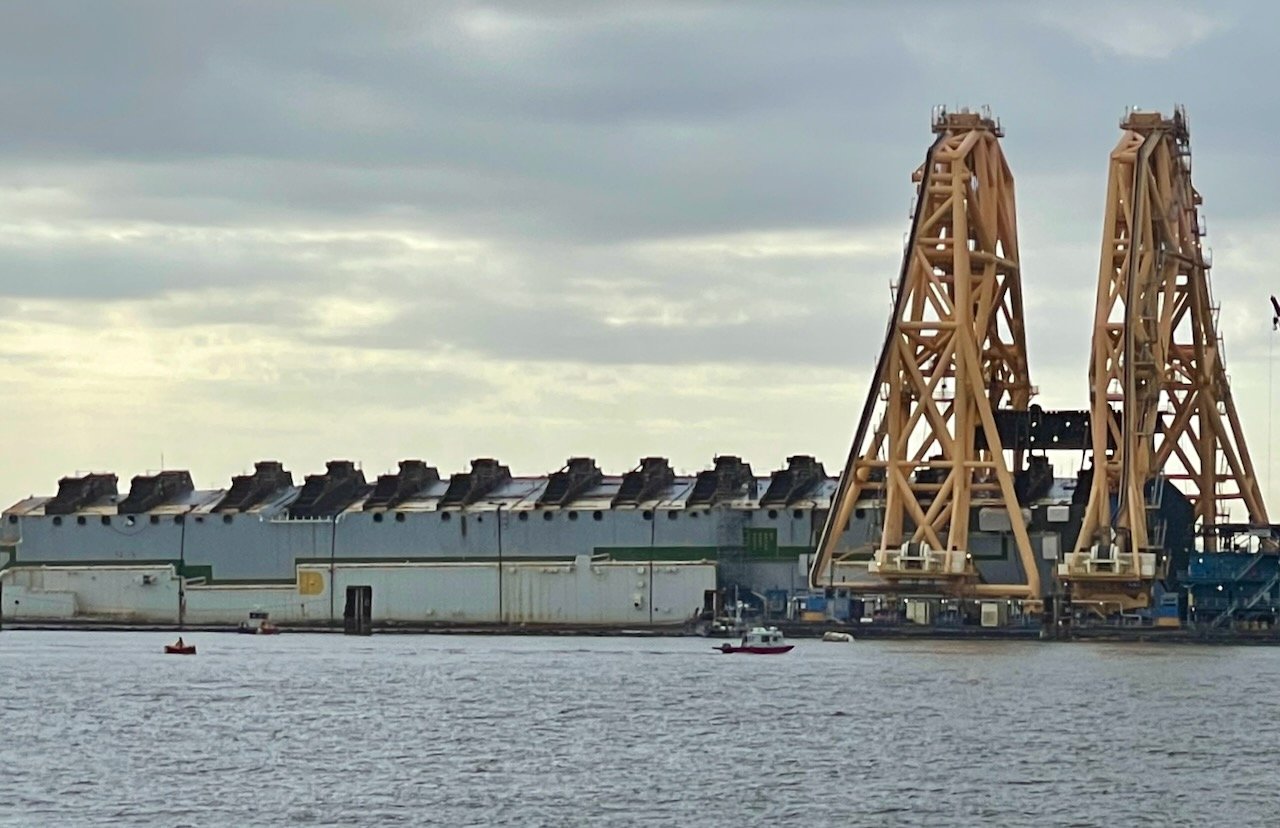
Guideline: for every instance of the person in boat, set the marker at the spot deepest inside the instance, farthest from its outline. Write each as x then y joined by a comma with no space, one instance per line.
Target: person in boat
179,645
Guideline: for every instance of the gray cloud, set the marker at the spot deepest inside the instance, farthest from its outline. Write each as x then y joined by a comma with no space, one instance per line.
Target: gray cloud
269,219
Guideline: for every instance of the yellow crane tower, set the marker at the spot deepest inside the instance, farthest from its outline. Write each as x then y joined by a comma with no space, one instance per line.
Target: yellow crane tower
1161,404
927,451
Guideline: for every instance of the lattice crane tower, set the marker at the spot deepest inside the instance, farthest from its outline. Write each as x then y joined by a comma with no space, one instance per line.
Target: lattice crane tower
926,450
1161,404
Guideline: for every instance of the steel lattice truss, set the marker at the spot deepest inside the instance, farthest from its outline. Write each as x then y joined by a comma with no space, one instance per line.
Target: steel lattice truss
926,449
1161,402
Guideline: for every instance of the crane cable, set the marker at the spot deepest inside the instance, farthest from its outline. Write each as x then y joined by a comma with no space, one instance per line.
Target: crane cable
1271,370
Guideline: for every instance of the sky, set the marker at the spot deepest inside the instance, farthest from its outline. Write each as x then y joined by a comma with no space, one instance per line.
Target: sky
373,231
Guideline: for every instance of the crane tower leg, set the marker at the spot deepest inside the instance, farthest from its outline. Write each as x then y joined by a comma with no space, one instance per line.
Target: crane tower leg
927,454
1161,406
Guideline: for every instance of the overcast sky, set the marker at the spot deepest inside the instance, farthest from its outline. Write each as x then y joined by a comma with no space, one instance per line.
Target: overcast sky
232,232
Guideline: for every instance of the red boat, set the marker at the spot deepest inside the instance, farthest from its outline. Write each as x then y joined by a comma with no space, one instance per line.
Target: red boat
180,648
759,641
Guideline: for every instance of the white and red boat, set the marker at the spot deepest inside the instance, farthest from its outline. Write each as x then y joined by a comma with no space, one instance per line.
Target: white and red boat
759,641
259,623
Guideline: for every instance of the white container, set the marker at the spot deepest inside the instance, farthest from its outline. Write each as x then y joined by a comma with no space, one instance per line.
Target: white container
995,613
919,612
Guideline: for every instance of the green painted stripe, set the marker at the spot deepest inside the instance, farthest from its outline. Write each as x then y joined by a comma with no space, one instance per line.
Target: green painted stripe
205,571
289,582
434,559
179,567
658,553
191,571
700,553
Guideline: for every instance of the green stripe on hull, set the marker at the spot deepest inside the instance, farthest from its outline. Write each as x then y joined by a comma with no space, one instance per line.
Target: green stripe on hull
700,553
174,562
205,571
657,553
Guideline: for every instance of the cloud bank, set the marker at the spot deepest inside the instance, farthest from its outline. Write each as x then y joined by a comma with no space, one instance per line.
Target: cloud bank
306,231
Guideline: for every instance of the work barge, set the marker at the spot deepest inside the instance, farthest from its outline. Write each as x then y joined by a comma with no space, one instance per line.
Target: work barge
948,519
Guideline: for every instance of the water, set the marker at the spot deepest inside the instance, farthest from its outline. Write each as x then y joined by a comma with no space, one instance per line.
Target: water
101,728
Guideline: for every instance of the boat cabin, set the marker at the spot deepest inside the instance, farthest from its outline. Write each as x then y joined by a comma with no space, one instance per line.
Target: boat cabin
762,636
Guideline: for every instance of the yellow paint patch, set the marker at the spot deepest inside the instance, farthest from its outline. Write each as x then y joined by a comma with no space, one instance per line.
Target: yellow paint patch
310,583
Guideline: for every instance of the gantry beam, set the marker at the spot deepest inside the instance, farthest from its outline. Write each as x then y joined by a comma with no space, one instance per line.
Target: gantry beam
1161,403
954,353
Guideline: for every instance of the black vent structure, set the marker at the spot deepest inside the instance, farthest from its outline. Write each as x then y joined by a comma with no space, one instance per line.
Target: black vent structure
567,485
248,490
1035,481
645,482
325,495
466,488
729,479
800,479
1036,428
393,489
75,493
146,492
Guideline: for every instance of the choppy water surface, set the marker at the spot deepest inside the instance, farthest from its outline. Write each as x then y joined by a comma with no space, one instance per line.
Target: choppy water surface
322,729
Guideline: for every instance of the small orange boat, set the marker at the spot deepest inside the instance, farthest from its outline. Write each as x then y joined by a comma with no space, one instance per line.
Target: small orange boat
180,648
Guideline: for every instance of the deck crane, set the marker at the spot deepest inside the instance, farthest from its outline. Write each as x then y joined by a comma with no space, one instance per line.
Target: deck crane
1161,404
927,449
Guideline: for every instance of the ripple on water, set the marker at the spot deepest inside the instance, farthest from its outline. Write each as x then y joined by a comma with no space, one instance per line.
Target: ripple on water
99,728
